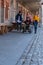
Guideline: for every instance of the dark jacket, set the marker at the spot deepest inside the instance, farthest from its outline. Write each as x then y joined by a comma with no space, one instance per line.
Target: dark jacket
27,22
17,17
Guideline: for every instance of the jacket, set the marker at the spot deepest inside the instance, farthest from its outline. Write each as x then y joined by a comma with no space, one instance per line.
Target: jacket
18,16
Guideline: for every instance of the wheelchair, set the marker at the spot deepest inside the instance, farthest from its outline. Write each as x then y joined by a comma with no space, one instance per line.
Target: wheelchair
26,28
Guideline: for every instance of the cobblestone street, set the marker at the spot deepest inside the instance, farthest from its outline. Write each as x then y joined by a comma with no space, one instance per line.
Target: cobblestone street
37,58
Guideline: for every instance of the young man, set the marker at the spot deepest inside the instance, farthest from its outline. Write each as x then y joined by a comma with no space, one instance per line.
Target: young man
19,20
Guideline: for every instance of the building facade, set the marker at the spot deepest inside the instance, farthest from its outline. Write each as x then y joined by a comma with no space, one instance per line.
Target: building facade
9,9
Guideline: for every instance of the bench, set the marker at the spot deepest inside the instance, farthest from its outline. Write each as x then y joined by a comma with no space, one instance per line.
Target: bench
14,25
3,28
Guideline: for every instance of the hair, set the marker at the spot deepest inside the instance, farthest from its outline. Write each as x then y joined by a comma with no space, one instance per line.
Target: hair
19,11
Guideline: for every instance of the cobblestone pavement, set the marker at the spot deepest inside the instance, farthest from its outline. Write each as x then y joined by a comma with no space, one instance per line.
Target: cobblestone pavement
26,58
35,56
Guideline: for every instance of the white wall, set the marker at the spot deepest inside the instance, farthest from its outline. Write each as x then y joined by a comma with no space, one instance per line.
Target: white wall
42,14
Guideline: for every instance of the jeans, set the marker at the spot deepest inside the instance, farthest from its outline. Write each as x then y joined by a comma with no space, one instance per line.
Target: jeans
35,29
19,26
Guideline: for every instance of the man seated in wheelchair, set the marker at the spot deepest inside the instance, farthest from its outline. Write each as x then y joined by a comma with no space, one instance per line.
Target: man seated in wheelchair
27,25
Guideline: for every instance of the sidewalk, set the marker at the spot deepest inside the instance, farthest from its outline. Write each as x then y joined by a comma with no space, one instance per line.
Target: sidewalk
12,46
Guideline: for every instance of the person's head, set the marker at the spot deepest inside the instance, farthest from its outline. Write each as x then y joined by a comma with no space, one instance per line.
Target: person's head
20,12
27,18
36,13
